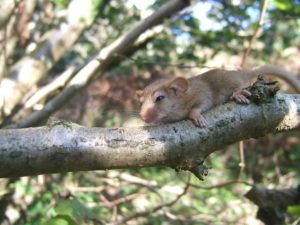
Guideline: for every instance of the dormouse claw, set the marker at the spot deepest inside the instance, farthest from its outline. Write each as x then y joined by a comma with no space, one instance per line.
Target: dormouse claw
197,118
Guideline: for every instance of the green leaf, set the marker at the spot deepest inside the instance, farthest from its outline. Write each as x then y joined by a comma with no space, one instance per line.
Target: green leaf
74,208
294,210
60,220
63,4
283,4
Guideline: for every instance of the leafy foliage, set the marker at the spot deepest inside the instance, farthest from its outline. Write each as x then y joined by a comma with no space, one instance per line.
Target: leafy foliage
192,38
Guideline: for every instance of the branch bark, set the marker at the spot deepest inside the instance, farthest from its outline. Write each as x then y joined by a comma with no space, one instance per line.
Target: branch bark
62,147
273,203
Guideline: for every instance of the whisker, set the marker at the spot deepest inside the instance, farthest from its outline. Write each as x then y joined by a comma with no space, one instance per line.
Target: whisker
130,113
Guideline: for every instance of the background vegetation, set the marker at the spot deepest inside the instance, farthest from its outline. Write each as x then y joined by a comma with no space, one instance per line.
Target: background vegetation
208,34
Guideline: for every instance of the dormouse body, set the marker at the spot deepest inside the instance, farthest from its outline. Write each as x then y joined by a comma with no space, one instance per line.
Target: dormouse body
175,99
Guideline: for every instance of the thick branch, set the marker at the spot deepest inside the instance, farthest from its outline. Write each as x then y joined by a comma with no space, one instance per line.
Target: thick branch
63,147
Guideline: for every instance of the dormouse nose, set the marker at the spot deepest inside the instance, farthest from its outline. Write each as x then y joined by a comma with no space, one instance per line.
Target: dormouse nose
149,115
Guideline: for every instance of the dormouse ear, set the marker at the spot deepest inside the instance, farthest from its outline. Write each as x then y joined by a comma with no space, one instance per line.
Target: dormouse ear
138,94
179,85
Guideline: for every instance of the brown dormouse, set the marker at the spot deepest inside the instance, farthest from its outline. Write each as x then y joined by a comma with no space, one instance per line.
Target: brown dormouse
175,99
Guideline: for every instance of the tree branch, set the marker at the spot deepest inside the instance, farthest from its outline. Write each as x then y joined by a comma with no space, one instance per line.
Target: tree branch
102,61
62,80
14,87
7,9
156,208
16,24
62,147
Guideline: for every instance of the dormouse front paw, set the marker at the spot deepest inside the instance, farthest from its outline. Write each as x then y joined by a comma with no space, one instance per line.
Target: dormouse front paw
241,96
197,118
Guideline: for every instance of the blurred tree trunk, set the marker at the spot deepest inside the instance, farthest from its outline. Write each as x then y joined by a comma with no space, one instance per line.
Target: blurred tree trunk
14,29
6,8
32,68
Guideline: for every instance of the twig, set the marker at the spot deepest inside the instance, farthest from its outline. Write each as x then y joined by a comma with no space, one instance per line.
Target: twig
155,209
123,199
112,204
296,222
243,62
221,184
114,214
242,160
3,55
133,179
150,185
31,102
277,166
258,29
188,219
57,83
86,189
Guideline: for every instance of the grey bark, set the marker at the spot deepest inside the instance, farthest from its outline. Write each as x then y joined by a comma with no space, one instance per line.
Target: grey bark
62,147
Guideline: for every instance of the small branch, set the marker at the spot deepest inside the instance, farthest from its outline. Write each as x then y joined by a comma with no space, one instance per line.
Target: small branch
57,83
3,55
86,189
133,179
242,160
157,208
221,185
258,29
126,198
243,62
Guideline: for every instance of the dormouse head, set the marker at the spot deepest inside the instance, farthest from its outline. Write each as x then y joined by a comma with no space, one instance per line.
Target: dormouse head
164,101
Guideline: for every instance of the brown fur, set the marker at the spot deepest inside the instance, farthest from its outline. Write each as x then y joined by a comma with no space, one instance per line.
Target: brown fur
203,92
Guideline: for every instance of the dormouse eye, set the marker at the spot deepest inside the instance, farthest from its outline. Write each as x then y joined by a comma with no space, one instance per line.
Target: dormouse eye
159,98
